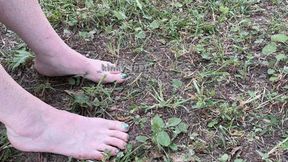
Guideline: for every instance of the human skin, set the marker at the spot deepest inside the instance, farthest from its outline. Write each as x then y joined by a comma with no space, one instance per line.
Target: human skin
35,126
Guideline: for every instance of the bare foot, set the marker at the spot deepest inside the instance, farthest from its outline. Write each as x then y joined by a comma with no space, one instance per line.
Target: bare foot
69,134
73,63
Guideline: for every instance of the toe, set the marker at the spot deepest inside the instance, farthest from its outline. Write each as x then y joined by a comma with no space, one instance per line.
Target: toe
116,125
103,71
116,142
118,134
108,149
95,155
109,77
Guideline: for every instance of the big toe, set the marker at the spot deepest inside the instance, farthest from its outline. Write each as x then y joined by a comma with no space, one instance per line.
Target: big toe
108,149
94,155
110,77
106,72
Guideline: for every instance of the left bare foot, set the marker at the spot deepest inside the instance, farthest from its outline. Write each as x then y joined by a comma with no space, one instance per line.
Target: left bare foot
73,63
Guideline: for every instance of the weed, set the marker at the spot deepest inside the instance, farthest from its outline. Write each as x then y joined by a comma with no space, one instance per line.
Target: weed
161,130
161,102
6,150
92,98
20,57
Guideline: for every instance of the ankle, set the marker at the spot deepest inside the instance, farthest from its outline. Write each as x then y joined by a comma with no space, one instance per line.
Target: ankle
68,62
32,123
53,54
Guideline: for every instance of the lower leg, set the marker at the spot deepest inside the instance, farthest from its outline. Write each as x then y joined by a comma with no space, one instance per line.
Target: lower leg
26,18
34,126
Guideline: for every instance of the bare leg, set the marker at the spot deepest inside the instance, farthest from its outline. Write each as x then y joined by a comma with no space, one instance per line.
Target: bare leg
34,126
26,18
31,124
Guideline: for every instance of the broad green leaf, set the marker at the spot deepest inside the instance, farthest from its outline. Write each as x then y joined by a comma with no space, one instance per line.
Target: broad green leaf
213,123
163,138
81,99
281,57
271,71
172,122
181,128
173,147
224,10
154,25
273,79
269,48
279,38
141,139
157,123
140,35
252,93
177,83
120,15
224,158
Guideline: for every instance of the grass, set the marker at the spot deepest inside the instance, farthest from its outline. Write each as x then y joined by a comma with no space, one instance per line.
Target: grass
219,67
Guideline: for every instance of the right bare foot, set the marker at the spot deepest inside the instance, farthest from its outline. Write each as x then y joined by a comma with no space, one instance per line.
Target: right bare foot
60,132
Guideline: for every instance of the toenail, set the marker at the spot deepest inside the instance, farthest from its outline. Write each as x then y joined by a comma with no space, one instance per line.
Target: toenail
125,126
124,76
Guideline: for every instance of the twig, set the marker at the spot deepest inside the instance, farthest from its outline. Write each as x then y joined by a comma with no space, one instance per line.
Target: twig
279,144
